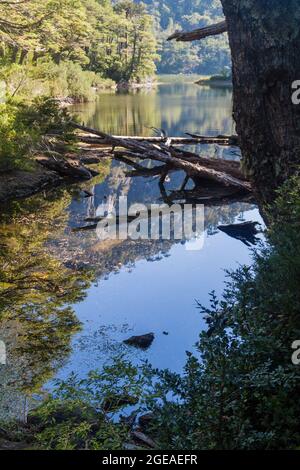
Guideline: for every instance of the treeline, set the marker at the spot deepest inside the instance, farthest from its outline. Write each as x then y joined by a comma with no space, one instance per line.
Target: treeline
204,57
56,40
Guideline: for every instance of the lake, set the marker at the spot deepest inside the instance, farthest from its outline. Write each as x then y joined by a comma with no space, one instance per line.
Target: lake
75,298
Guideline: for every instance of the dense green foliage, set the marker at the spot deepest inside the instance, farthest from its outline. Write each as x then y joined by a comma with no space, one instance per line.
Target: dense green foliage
205,57
23,127
59,43
117,40
240,390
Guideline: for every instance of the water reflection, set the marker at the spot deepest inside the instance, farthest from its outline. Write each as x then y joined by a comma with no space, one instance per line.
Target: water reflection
177,108
68,299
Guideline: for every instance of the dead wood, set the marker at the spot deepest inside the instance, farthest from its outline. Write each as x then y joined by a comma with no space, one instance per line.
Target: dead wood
221,171
193,139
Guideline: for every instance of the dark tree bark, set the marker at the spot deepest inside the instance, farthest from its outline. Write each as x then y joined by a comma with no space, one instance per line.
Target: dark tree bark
264,39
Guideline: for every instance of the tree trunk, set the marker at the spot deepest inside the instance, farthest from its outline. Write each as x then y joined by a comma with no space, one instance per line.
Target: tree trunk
23,56
264,39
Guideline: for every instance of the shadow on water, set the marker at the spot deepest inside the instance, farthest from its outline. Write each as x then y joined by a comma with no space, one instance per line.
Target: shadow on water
68,299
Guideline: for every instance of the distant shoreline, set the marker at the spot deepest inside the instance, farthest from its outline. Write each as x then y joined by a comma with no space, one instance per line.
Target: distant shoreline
216,81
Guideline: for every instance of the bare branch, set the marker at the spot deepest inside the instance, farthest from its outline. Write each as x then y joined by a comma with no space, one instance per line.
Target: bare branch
201,33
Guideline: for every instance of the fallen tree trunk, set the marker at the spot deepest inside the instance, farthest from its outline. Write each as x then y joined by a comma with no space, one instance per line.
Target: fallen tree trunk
197,168
195,139
264,39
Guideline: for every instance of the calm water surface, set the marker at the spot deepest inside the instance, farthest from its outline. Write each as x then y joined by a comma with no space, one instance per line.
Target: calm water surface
136,287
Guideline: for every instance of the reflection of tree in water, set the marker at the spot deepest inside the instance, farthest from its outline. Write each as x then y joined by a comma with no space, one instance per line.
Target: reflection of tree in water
80,249
35,321
177,108
45,268
125,113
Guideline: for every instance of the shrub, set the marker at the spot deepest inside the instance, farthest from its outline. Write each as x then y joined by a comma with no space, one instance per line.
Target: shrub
241,390
64,80
23,126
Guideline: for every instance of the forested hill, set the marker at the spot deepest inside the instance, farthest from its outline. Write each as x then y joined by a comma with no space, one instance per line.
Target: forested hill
66,48
209,56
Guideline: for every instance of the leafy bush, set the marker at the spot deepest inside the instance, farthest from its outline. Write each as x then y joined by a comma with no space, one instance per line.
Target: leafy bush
79,413
64,80
241,390
23,126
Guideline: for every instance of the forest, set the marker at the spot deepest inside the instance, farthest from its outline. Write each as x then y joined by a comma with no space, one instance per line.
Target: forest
85,120
69,46
211,56
63,48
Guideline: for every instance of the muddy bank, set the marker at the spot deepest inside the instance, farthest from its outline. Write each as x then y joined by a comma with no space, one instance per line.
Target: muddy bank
48,172
20,184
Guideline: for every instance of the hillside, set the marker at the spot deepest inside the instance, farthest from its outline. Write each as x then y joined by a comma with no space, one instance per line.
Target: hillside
209,56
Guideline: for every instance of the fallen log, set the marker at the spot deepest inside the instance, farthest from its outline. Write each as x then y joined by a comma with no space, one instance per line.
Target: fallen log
199,168
224,172
230,140
140,170
193,139
232,167
245,232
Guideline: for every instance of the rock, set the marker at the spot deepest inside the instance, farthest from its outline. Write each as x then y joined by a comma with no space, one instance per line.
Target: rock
142,342
20,184
66,168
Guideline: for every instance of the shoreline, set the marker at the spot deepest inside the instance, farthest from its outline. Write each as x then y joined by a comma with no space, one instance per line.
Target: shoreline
215,83
20,184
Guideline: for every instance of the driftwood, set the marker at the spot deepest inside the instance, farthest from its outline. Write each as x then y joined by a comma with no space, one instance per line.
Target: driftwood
200,33
222,140
140,436
226,173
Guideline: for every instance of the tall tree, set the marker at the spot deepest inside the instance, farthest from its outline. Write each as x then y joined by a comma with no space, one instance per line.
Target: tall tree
265,43
264,39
